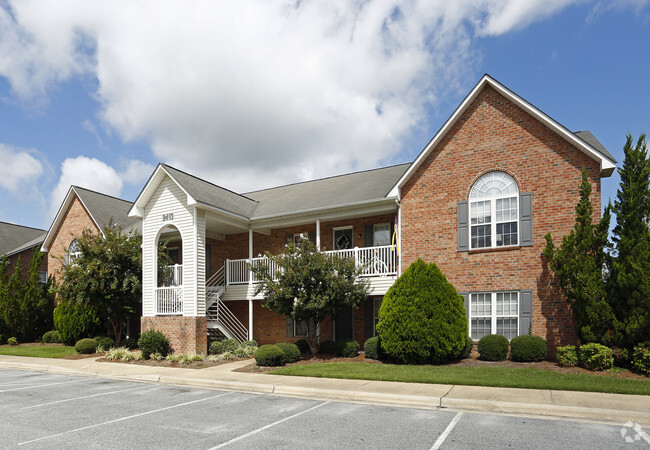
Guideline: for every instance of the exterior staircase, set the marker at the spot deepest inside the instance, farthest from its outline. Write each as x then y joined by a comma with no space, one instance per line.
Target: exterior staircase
222,323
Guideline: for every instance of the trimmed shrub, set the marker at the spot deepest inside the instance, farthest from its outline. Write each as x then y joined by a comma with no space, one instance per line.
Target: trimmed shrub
596,357
86,346
73,321
226,345
269,355
493,347
251,343
106,343
567,356
528,348
130,343
245,351
327,347
303,345
422,318
347,349
469,345
291,352
12,341
153,341
641,359
99,337
372,347
51,337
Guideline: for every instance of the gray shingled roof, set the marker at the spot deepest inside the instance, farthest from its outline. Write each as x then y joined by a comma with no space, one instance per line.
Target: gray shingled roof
104,207
13,237
211,194
338,190
595,143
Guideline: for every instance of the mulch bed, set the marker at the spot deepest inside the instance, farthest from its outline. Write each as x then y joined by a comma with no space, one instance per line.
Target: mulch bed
164,363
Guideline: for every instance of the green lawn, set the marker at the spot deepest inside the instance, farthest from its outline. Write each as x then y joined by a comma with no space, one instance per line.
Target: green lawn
524,377
38,351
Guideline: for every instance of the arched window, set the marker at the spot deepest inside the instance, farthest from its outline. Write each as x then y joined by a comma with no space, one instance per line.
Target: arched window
494,211
73,252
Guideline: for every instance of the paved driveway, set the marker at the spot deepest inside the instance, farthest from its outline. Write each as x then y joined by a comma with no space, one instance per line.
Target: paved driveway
40,410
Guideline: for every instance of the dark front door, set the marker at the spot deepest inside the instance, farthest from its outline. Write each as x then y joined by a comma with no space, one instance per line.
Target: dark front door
343,329
343,239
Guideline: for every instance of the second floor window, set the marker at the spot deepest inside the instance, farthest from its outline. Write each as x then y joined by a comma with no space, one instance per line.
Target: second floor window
493,211
73,252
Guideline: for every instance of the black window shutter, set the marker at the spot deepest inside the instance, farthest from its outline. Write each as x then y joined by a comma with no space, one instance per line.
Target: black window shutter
288,238
526,220
465,302
289,326
368,317
525,310
463,227
368,235
311,235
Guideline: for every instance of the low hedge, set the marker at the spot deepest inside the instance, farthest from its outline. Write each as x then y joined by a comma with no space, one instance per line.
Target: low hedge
269,355
347,349
303,345
327,347
107,343
372,347
527,348
567,356
596,357
493,347
641,359
227,345
469,345
130,343
86,346
154,341
291,352
51,337
12,341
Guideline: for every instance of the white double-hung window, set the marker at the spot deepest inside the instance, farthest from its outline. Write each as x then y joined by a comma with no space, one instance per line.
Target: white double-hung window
493,211
494,313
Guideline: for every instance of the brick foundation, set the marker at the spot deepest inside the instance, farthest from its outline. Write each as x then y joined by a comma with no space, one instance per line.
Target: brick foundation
187,334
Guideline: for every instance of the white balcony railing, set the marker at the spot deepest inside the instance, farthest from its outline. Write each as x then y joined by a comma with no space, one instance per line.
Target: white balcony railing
169,300
374,261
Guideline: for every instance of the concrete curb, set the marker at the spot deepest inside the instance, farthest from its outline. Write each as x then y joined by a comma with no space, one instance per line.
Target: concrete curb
366,397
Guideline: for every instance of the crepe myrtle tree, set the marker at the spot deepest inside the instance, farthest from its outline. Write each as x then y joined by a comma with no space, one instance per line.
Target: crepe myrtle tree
309,285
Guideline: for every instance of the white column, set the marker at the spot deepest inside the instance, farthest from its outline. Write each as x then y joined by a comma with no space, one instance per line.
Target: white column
398,244
317,234
250,319
250,284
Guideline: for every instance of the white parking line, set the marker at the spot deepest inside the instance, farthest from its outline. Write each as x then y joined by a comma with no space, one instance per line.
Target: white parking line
445,433
124,418
45,385
265,427
89,396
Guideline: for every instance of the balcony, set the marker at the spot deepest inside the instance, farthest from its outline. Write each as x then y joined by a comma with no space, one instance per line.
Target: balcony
169,296
374,262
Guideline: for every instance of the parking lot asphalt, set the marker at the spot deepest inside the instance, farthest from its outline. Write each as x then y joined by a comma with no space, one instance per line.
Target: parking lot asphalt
45,410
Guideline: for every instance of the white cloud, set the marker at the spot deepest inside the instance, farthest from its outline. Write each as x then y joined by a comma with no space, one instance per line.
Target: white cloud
19,168
89,173
136,172
257,93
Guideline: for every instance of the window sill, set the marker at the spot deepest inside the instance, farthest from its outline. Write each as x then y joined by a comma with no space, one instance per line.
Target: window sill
494,249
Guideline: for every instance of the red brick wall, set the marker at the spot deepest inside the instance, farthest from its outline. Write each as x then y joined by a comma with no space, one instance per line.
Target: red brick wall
495,134
187,334
25,259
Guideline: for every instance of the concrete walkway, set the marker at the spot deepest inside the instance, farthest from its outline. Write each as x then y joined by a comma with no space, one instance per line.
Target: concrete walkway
583,405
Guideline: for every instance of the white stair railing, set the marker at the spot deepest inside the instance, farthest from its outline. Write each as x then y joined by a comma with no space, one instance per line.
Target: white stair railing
222,316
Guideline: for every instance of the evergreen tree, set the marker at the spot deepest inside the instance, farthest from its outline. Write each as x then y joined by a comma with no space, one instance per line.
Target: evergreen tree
629,286
579,267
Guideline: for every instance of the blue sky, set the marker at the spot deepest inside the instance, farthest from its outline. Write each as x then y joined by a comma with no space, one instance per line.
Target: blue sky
256,94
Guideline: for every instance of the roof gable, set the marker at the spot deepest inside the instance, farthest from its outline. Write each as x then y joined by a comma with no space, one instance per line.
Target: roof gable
584,141
17,237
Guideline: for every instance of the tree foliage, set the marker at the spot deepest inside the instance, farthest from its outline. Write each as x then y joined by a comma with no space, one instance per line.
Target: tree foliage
422,318
25,303
106,277
578,265
629,281
310,286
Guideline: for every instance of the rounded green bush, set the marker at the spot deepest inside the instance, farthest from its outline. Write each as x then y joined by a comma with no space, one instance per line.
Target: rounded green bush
347,349
107,343
86,346
303,345
372,348
251,343
422,318
153,341
51,337
130,343
567,356
596,357
641,359
269,355
469,345
291,352
226,345
12,341
327,347
493,347
99,337
528,349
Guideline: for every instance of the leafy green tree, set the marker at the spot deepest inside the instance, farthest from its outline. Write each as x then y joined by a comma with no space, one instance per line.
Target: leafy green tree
74,321
629,283
422,318
106,277
579,267
310,286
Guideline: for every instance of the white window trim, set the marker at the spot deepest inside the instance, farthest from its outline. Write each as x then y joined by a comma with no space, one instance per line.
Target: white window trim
374,230
493,316
493,223
375,314
335,229
296,328
71,256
